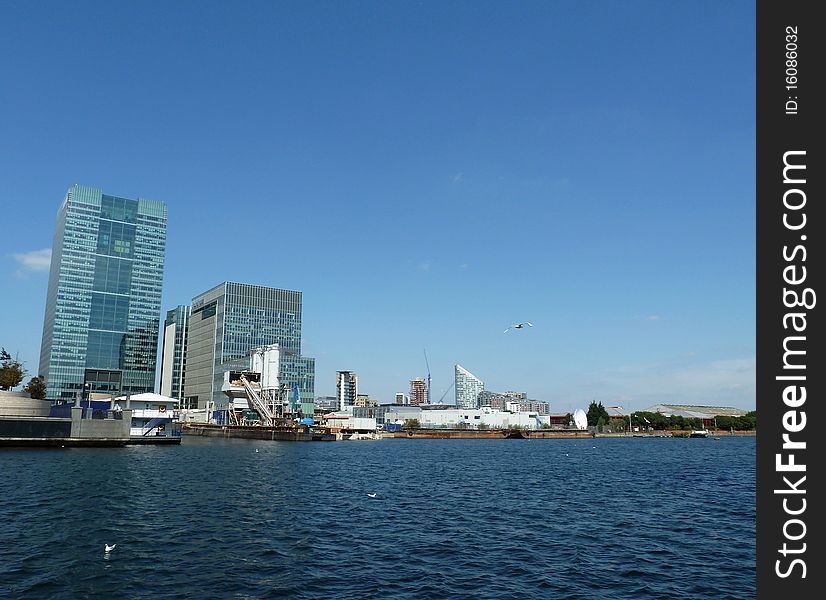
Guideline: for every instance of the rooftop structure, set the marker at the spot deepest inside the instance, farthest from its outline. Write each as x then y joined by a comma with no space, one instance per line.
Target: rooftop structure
695,411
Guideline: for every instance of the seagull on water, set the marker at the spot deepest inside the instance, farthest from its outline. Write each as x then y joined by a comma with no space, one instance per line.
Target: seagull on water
371,495
107,548
518,326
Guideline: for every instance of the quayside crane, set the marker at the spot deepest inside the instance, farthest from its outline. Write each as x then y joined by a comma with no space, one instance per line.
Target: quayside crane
428,375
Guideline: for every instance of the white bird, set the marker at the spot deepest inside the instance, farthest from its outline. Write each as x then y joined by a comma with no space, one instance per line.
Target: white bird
518,326
107,548
256,449
371,495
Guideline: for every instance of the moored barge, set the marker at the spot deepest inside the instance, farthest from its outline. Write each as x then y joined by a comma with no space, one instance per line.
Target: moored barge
257,432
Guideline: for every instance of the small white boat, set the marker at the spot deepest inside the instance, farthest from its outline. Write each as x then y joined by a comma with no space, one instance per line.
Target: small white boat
699,433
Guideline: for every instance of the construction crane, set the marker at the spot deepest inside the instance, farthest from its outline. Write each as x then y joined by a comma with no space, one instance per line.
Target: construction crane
428,375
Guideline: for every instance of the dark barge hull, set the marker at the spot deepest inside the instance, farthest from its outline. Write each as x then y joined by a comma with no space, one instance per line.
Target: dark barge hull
156,440
275,434
53,442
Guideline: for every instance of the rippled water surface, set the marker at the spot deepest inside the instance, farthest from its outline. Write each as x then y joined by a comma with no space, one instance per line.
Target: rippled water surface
590,519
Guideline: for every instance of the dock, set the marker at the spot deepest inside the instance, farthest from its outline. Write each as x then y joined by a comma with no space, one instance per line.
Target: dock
256,432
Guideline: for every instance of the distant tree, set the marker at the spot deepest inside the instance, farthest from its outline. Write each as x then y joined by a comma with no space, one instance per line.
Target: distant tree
595,413
36,388
483,426
749,420
651,419
411,424
617,424
11,371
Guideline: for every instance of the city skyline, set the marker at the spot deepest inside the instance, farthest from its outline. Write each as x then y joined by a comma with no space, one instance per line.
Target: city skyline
519,165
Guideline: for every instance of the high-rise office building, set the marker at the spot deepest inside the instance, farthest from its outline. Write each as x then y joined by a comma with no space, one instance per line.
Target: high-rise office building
230,320
467,387
418,392
173,353
100,331
402,398
346,388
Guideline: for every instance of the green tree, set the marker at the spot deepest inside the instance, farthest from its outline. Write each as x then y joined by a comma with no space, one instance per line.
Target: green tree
411,424
618,424
11,371
36,388
596,412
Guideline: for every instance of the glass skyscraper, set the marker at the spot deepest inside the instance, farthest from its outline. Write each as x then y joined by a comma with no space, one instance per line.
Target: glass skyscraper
468,387
173,357
226,323
100,330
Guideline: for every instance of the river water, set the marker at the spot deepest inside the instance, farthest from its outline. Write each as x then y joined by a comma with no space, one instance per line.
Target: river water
588,518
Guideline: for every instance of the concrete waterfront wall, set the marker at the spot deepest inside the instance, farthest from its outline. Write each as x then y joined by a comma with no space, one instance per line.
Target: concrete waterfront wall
20,404
64,432
34,427
101,428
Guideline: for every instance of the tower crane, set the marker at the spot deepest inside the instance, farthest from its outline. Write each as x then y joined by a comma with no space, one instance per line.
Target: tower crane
428,375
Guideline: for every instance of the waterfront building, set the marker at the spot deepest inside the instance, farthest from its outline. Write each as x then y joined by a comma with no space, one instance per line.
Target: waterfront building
695,411
449,417
418,392
537,406
153,418
346,389
173,354
467,387
103,304
499,400
326,403
364,400
230,320
402,399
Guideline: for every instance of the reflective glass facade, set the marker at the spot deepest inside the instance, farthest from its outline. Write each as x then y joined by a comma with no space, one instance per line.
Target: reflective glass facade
231,319
173,357
104,295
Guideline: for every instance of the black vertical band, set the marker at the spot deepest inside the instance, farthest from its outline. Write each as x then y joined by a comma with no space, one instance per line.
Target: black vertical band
790,333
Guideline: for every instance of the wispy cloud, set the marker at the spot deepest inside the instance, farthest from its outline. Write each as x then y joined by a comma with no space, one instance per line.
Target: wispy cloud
717,382
652,318
458,178
36,260
424,266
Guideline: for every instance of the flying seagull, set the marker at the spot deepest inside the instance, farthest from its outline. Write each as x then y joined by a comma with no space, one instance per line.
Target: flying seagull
518,326
371,495
107,548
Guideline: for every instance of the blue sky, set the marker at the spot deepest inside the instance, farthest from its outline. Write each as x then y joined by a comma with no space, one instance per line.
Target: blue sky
427,173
